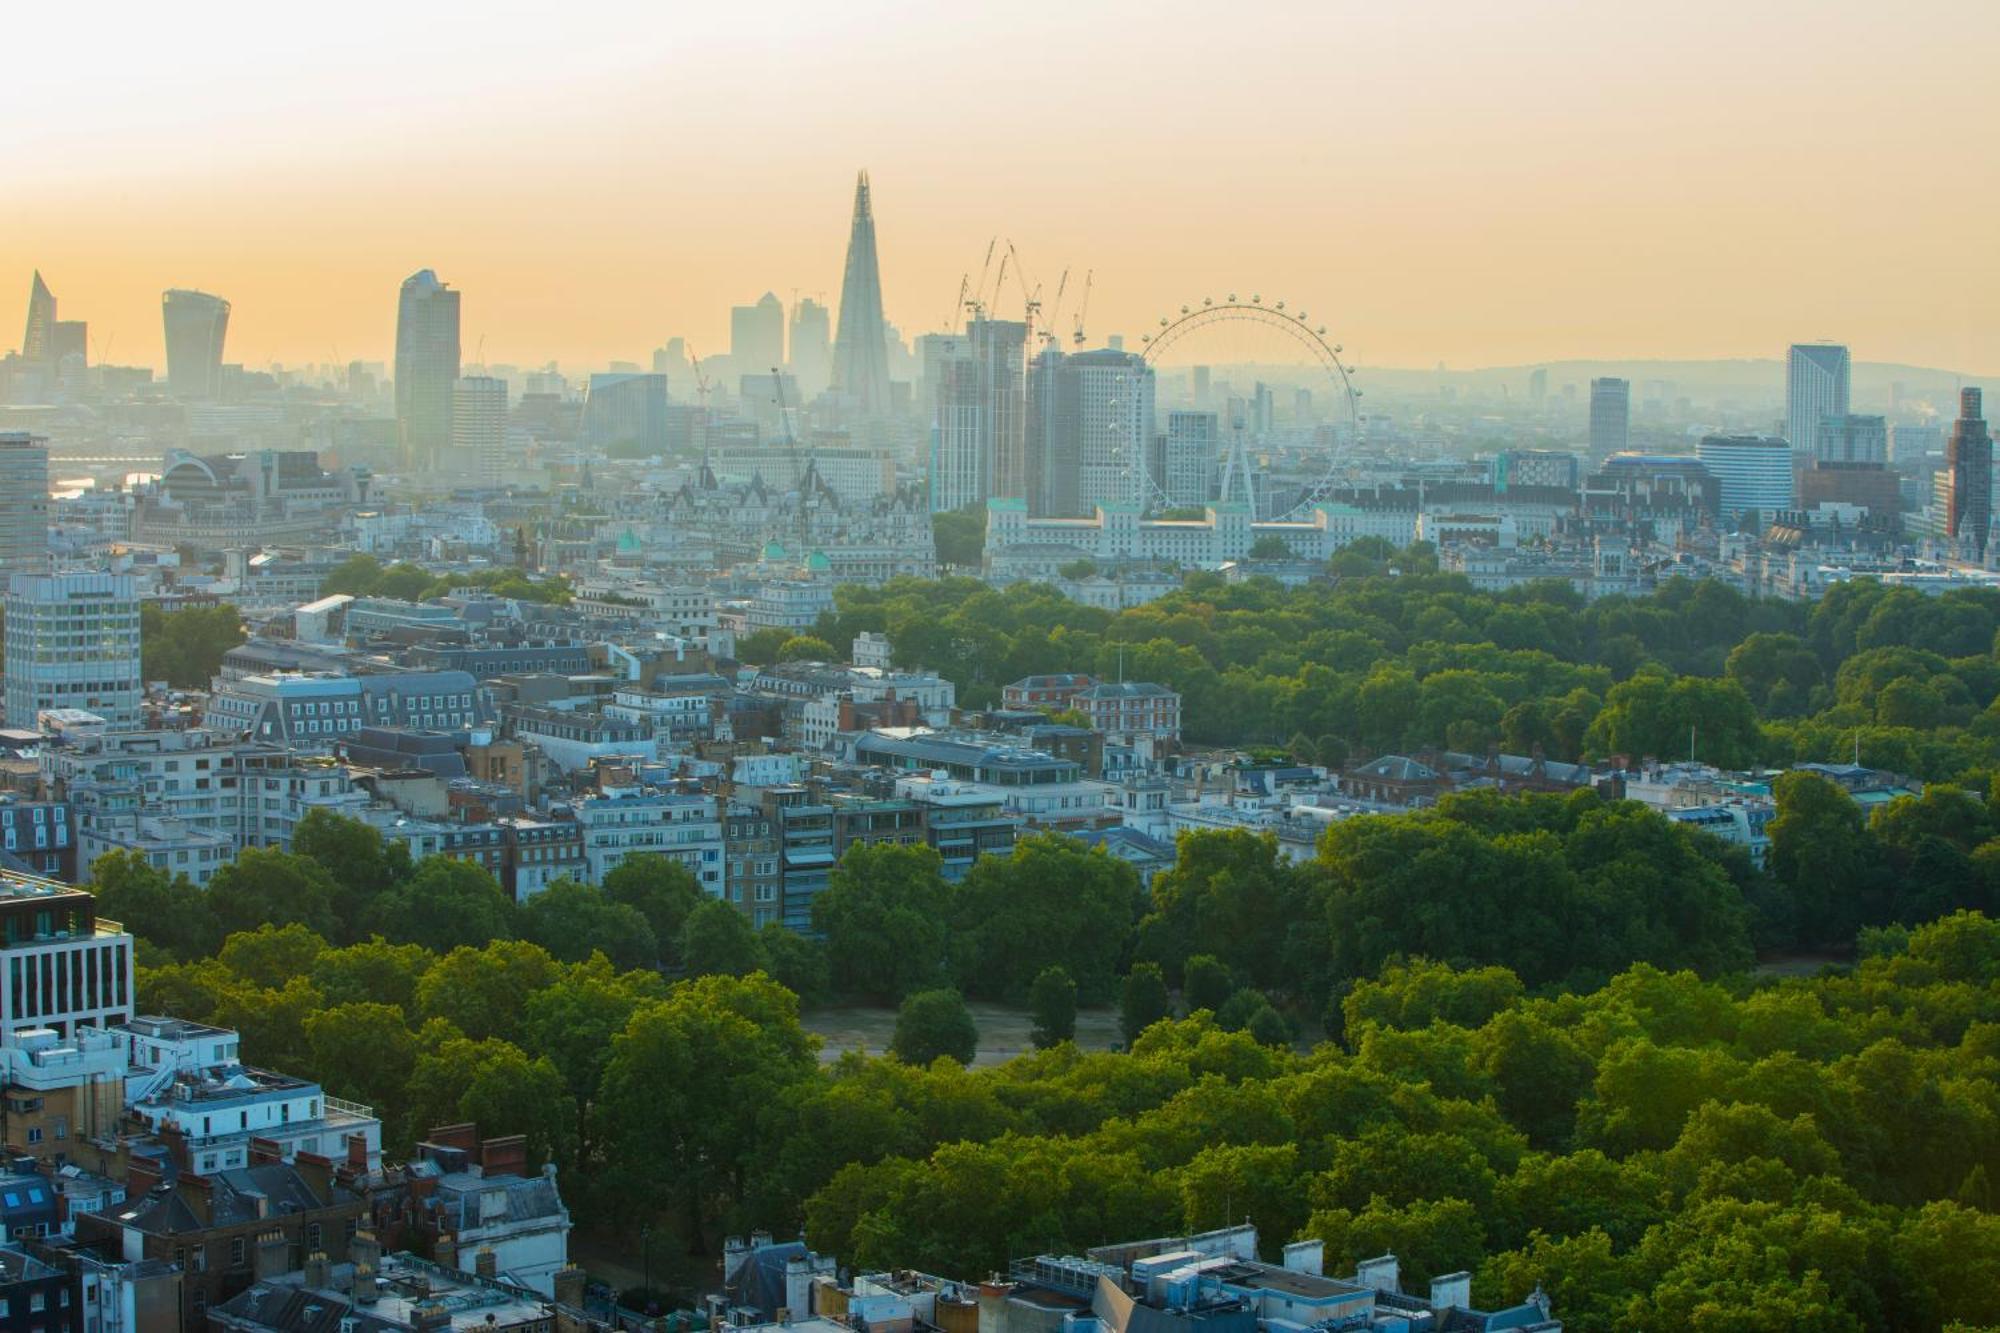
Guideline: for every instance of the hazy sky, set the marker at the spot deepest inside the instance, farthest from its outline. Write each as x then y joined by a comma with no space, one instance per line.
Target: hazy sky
1473,182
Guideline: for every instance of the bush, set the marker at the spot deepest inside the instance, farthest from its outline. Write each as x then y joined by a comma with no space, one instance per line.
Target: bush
1052,999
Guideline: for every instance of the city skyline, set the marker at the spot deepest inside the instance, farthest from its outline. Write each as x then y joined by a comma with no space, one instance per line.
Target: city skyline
1422,178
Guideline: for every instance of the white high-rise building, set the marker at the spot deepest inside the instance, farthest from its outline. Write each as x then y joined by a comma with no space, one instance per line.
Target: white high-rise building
24,504
1755,472
73,642
1816,377
479,428
1610,416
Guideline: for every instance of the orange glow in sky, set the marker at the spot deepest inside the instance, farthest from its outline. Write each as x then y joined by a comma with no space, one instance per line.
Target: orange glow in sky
1453,180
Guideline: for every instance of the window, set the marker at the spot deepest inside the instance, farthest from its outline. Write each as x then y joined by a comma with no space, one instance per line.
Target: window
236,1252
38,1301
312,1237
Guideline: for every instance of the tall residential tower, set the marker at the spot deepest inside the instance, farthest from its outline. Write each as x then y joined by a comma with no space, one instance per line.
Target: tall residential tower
861,347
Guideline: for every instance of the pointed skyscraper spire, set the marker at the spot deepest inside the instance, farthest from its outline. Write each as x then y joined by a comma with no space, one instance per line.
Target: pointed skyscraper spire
38,344
861,348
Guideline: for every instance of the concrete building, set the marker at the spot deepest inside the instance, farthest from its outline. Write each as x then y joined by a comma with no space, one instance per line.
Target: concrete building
1816,388
1968,477
1852,439
1091,430
627,819
479,428
1188,463
72,642
24,504
1755,476
65,966
1610,416
311,712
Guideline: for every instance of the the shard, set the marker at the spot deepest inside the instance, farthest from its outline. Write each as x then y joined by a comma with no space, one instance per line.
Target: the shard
38,344
861,347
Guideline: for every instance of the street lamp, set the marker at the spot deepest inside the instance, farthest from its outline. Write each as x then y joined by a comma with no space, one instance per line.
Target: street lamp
646,1263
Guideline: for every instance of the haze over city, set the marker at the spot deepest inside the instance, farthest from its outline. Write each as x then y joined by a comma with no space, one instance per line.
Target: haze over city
1460,182
1054,668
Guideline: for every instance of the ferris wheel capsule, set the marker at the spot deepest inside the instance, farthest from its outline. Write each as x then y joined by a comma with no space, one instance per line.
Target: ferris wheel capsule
1281,305
1208,300
1256,300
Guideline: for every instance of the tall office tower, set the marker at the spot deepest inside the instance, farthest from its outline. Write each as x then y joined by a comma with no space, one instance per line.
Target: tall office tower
627,410
812,348
861,348
479,428
757,336
38,343
1093,415
1968,465
1610,415
1263,410
1815,388
72,642
1852,439
1189,459
999,349
24,504
426,367
72,339
196,324
978,434
1755,474
1538,386
1302,408
1202,386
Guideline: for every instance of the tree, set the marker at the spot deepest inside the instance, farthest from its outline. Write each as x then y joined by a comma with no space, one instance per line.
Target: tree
932,1023
483,992
355,854
1205,983
1270,547
573,921
960,535
1231,896
1145,1000
1052,903
796,963
885,916
266,886
185,648
1052,1001
363,1050
1823,859
373,970
688,1089
167,910
806,648
445,904
661,888
272,955
717,940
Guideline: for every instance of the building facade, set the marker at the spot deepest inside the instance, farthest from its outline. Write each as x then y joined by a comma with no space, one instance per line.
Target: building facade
72,642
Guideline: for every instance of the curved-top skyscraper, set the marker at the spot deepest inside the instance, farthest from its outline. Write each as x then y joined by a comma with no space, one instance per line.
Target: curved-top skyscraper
426,367
861,346
196,325
38,344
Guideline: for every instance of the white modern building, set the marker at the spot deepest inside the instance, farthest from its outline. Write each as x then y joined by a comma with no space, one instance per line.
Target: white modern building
1816,387
65,966
625,821
479,428
72,642
1755,472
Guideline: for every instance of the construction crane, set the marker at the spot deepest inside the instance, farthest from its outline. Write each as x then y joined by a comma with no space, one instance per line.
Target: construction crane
1083,307
1031,294
958,306
799,468
701,396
